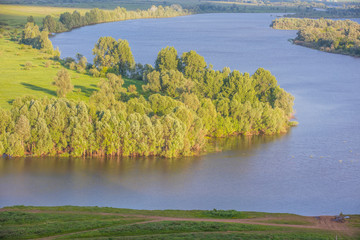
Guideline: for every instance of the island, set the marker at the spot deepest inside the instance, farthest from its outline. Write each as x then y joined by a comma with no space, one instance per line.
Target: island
341,36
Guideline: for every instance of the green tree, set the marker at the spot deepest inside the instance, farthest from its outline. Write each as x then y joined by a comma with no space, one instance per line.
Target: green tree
66,19
51,25
22,129
44,41
193,65
167,59
63,83
30,19
124,57
42,143
83,62
114,54
15,148
264,85
30,32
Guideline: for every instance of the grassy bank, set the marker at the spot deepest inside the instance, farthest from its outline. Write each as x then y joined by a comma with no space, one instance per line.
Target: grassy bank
69,222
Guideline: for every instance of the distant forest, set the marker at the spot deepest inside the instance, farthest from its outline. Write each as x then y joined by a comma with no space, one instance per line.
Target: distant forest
342,36
300,8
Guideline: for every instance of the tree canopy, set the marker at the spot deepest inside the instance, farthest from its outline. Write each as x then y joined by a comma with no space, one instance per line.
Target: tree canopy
184,103
114,56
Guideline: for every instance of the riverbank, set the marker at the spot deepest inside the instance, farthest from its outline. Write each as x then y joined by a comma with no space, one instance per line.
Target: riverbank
70,222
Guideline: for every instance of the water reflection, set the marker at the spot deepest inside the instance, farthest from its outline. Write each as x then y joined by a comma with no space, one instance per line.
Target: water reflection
243,146
38,180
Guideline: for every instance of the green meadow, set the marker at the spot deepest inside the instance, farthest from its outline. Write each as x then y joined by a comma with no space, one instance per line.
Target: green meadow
70,222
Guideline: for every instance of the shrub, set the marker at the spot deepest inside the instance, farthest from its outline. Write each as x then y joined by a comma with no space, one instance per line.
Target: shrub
28,65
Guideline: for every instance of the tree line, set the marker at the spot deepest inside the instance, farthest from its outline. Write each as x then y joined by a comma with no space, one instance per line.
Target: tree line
341,36
69,21
38,37
185,103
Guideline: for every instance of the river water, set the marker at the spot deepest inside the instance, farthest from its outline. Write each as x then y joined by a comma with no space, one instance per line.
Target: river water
312,170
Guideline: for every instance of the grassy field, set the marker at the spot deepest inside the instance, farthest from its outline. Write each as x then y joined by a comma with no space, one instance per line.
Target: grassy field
69,222
106,4
16,15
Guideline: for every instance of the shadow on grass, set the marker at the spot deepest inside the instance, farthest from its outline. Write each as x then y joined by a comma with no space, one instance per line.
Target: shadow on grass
10,101
87,91
37,88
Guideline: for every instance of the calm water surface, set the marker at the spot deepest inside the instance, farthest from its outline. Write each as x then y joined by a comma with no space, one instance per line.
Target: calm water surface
312,170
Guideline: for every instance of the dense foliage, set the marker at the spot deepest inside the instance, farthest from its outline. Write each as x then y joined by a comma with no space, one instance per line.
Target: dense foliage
112,55
31,35
342,36
68,21
186,102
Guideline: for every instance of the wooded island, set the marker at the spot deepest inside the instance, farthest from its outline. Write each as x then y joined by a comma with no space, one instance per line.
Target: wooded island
341,36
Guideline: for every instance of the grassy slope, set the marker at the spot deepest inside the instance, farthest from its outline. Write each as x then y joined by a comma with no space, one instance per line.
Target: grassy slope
21,222
15,81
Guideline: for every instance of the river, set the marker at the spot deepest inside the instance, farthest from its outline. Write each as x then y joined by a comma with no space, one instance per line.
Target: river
312,170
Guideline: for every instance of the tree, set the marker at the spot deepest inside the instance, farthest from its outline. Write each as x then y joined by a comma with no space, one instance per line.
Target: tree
30,19
83,62
63,82
44,41
43,142
193,65
66,19
264,85
51,25
124,57
22,128
30,32
114,55
167,59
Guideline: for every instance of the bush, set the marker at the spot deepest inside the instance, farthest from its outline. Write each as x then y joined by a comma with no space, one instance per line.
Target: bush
222,213
28,65
132,88
94,72
72,65
47,64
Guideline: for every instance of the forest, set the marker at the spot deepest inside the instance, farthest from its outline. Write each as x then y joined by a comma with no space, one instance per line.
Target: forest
183,103
341,36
